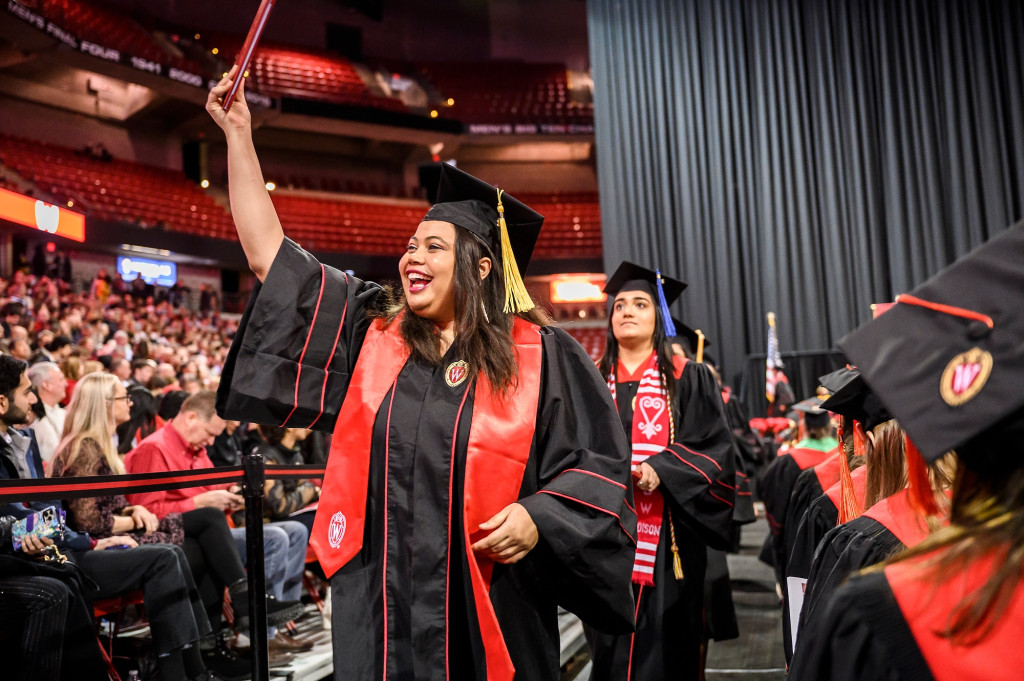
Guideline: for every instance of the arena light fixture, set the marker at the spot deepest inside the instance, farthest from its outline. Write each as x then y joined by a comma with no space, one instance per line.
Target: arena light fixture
578,288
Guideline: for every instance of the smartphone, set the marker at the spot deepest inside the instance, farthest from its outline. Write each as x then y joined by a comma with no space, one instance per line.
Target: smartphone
46,523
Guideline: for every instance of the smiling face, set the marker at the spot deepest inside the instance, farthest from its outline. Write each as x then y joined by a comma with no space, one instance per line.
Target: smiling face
428,271
633,317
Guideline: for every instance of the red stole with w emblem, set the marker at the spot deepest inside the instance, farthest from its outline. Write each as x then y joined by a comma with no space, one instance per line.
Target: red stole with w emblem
500,439
651,434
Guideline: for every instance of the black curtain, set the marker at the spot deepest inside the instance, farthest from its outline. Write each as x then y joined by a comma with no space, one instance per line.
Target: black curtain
807,157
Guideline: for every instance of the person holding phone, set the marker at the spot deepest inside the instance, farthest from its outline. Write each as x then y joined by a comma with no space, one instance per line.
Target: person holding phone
160,571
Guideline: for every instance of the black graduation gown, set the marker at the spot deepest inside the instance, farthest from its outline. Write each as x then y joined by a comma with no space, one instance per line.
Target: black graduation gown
844,550
699,492
820,517
748,445
861,636
413,582
774,488
806,489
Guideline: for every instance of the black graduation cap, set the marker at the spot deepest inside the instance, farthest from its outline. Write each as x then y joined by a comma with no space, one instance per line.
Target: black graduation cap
632,277
948,359
834,380
688,337
509,227
814,415
853,398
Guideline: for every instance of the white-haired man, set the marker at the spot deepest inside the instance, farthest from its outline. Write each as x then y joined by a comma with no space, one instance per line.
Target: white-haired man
52,387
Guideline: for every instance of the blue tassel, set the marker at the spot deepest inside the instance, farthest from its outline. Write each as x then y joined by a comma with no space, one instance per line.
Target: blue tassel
666,316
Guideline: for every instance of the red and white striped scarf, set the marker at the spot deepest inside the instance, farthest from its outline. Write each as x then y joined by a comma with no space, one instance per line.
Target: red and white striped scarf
651,434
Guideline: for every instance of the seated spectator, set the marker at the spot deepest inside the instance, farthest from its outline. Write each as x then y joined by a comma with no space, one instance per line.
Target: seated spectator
142,372
227,448
142,420
282,446
160,571
91,366
180,445
72,368
20,349
51,389
101,403
121,368
40,615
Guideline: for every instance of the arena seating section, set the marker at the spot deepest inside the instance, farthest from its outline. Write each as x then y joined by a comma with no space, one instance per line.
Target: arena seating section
281,71
572,226
108,27
117,190
484,93
134,192
512,92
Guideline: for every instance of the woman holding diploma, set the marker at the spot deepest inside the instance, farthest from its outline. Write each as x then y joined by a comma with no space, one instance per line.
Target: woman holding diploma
477,477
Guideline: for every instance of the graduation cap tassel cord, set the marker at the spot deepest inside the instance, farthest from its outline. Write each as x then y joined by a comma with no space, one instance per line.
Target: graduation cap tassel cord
666,315
517,299
677,563
849,508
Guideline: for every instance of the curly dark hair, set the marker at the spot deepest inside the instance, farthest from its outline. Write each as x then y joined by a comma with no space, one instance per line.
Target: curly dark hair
11,370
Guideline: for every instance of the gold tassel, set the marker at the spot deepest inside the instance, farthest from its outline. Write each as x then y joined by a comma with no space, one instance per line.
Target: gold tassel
677,563
517,299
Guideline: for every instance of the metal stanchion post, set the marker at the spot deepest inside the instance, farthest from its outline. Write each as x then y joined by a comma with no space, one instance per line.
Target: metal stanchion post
252,490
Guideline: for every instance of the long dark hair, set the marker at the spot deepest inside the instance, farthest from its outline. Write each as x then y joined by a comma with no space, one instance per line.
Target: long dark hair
484,340
610,358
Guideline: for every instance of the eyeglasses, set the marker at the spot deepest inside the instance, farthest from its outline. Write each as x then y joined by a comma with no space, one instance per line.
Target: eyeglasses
127,399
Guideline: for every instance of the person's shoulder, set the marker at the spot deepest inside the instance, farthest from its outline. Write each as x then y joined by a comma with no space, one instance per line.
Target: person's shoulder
149,446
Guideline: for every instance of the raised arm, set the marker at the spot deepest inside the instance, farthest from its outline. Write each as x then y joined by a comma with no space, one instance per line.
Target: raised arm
259,229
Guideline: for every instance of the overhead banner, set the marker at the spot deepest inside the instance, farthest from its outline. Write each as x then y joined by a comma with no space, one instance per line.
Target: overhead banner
118,57
29,212
530,129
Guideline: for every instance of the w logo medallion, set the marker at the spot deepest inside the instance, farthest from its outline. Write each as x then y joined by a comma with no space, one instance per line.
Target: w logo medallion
336,532
456,373
965,376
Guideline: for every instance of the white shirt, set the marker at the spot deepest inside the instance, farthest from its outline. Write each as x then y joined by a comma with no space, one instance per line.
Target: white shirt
48,431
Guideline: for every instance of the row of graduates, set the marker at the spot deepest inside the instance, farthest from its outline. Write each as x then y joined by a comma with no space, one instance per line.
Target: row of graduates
898,552
483,471
478,478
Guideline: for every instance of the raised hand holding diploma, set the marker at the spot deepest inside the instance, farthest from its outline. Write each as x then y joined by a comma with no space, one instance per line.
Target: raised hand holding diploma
248,49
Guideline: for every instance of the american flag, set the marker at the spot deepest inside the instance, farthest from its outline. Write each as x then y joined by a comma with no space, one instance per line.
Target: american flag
773,361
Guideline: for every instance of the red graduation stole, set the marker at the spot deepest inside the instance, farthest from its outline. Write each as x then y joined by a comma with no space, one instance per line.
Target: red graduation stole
500,439
652,432
900,517
926,599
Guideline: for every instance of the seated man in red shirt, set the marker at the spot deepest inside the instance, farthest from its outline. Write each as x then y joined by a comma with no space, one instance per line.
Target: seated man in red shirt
181,445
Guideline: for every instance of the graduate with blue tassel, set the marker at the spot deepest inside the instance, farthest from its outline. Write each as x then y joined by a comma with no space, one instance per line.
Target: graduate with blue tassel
683,465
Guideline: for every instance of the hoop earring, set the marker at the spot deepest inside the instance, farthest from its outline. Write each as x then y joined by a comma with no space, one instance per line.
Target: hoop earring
483,308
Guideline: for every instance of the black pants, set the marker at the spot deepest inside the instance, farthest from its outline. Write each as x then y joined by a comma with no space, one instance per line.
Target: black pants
33,614
161,572
212,557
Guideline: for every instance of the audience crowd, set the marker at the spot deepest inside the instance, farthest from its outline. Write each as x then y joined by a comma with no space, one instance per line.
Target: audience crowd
120,378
